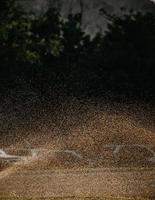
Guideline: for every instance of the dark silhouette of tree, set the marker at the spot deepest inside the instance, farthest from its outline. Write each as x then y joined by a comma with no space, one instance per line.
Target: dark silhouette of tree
128,50
14,30
47,51
48,34
73,37
6,8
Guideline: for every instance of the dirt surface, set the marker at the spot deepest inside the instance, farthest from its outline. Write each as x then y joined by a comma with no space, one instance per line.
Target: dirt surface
116,182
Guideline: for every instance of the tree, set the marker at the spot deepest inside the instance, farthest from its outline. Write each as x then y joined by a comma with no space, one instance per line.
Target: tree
128,51
48,33
26,41
74,37
6,9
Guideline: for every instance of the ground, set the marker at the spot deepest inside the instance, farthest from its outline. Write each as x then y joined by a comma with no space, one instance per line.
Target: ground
75,198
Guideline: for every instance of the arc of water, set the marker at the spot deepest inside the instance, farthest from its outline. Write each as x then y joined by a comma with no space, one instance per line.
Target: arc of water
2,153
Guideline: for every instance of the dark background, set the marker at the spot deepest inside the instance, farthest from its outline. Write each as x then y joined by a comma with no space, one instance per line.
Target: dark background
51,56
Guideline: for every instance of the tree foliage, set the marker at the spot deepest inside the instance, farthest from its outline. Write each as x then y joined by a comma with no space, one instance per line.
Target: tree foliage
47,50
128,49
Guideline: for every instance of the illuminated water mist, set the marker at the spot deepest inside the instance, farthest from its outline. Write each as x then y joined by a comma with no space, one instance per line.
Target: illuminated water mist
74,136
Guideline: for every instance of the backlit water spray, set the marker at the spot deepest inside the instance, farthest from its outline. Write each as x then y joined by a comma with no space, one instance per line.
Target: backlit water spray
74,138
